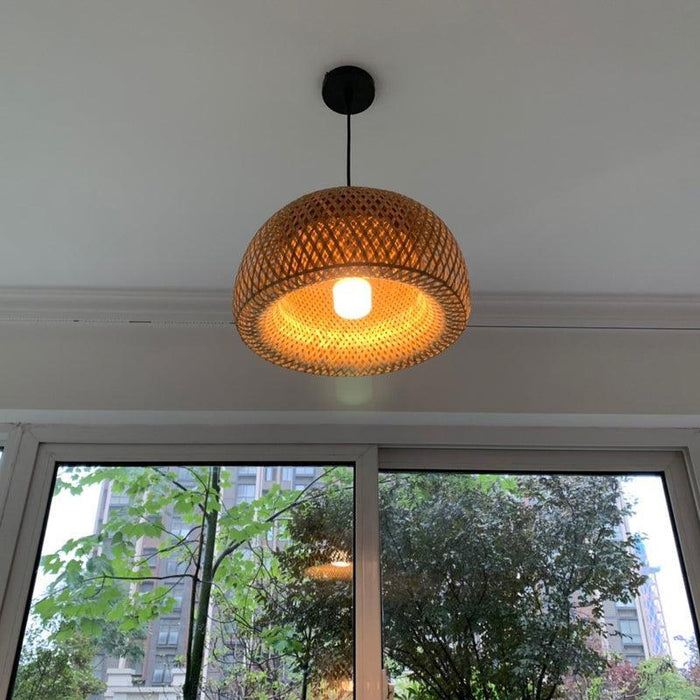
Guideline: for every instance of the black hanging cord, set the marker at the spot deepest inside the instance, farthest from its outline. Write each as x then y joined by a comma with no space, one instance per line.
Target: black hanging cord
348,90
348,102
347,157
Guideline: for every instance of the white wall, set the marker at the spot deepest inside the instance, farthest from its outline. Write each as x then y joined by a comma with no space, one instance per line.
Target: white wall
177,367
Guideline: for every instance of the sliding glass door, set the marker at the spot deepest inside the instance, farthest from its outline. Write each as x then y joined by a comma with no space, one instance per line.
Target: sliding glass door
334,572
193,581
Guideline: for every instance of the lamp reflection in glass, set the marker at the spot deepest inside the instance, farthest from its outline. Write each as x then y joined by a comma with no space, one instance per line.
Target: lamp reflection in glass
339,568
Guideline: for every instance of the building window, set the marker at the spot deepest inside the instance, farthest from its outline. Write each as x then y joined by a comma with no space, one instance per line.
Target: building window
305,471
270,473
245,493
287,473
177,594
119,499
168,635
184,476
163,670
174,567
631,633
179,528
150,556
247,471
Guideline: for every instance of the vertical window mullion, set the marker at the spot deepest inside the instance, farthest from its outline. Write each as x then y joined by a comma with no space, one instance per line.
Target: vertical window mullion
368,631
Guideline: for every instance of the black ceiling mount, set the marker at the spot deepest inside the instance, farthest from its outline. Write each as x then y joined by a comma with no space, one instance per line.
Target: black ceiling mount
348,90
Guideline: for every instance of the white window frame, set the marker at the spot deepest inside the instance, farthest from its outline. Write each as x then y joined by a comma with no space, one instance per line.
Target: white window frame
32,453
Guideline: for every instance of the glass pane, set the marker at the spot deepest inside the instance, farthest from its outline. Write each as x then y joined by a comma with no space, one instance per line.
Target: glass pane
193,582
530,587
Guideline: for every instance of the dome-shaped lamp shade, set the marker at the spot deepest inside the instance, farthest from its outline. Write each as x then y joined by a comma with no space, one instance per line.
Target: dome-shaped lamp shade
404,295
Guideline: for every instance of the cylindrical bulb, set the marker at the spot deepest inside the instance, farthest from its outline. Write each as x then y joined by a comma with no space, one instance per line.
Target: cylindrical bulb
352,298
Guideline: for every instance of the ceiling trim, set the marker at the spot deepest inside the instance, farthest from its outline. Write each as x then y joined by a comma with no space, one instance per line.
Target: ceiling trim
9,418
212,307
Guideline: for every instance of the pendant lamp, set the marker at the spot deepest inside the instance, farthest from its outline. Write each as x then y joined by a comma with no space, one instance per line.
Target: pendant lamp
351,281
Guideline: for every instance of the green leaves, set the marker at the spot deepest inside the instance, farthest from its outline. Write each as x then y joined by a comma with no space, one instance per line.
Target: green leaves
49,671
482,575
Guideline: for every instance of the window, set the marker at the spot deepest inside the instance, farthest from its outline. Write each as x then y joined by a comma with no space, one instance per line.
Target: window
163,669
469,559
245,493
168,635
631,633
150,555
305,471
476,567
246,471
270,473
291,570
287,473
185,476
118,499
175,566
177,592
179,528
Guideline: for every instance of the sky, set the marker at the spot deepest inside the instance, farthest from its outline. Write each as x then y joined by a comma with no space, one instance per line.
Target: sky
69,517
72,516
653,522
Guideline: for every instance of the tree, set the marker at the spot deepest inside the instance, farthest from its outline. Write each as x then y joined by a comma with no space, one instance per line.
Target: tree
312,616
493,587
619,681
51,671
691,670
652,679
101,578
659,680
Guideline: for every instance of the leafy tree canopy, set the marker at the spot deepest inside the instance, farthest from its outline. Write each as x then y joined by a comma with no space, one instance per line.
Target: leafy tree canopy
52,671
493,586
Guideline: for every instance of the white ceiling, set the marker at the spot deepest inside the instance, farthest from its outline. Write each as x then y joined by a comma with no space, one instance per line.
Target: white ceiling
143,143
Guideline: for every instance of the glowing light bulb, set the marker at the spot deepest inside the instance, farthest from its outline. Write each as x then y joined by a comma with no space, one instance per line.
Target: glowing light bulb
352,298
340,564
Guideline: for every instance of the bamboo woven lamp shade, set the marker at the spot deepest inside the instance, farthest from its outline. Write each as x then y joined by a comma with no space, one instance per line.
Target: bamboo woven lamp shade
336,567
283,300
330,572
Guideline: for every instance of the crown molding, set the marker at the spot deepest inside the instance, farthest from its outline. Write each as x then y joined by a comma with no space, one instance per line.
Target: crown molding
9,418
99,305
212,307
614,311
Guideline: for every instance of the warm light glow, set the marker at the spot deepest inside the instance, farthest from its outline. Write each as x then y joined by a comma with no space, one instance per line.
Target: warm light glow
341,564
404,321
352,298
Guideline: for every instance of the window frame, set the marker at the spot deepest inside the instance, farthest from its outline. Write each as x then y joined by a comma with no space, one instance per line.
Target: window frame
30,477
32,453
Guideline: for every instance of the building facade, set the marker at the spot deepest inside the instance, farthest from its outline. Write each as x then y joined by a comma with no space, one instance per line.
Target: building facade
638,628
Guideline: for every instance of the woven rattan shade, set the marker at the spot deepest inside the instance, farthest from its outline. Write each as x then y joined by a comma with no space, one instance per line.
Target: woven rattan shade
328,572
282,300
